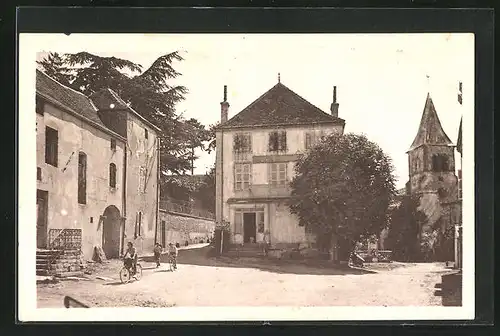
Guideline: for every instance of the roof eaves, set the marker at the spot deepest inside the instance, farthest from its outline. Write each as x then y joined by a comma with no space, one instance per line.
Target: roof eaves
291,124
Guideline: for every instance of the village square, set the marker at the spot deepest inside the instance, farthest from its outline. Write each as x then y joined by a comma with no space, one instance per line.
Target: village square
292,207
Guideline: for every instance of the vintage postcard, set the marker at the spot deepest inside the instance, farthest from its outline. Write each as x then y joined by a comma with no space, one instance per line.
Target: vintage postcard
246,177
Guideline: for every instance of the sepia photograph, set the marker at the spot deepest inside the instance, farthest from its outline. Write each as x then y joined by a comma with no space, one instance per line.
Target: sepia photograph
247,173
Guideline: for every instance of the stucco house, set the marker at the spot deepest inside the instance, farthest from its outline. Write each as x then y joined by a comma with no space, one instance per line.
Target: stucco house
255,156
97,171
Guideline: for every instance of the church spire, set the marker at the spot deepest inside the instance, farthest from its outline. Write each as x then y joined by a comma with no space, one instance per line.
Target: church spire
430,131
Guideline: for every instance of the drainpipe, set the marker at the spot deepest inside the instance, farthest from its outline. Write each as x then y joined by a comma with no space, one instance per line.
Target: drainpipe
157,186
124,196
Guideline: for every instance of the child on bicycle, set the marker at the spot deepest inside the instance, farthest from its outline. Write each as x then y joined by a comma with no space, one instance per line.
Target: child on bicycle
172,254
157,252
130,257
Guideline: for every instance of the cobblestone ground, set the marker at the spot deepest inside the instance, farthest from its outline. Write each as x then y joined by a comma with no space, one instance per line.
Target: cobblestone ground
202,281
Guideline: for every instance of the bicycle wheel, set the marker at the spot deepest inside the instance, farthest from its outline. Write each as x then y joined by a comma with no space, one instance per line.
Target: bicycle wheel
124,275
138,272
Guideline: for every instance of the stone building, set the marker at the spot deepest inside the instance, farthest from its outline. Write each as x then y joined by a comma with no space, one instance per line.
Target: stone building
256,151
97,171
431,163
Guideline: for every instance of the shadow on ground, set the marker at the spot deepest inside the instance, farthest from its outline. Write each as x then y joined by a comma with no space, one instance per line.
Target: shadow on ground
203,257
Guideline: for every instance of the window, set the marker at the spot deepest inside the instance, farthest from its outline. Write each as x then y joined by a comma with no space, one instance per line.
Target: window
242,176
38,173
39,106
142,179
146,133
113,145
242,146
51,146
112,175
82,178
277,141
312,139
138,224
278,174
439,163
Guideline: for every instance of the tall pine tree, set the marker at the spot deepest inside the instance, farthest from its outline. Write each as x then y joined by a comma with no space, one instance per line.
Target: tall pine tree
146,91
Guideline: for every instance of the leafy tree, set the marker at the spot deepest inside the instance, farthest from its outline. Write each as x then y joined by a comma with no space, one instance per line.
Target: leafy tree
342,190
146,91
405,229
206,191
198,136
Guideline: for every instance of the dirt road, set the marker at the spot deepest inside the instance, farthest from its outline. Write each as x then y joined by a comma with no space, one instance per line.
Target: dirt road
207,282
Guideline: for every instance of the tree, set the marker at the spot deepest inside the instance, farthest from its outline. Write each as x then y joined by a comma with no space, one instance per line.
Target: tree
405,230
55,66
206,191
198,136
342,190
146,91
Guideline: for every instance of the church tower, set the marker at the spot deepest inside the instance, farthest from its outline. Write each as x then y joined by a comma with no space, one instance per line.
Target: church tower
431,166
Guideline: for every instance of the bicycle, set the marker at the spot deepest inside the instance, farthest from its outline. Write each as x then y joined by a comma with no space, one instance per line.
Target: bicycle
127,272
172,263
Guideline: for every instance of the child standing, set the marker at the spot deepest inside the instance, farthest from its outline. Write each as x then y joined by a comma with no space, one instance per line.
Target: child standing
172,253
157,252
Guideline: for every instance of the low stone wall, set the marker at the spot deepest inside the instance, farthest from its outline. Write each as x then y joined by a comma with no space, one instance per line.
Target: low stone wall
180,228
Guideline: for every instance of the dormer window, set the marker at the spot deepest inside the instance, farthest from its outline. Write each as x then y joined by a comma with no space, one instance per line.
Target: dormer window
277,141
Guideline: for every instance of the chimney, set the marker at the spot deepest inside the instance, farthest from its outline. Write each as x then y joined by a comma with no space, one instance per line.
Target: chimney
224,107
334,108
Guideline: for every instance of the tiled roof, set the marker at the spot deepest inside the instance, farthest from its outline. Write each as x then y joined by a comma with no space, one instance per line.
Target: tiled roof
280,106
105,97
430,131
70,99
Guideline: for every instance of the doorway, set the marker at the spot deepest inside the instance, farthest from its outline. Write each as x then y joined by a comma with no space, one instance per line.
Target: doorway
42,198
249,227
111,232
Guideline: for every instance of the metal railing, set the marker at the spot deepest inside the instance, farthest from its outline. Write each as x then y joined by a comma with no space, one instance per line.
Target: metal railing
65,239
185,208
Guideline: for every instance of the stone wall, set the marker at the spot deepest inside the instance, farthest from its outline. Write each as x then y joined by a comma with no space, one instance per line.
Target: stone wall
179,228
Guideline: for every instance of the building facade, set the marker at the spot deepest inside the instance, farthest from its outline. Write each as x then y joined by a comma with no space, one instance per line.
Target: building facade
95,165
256,152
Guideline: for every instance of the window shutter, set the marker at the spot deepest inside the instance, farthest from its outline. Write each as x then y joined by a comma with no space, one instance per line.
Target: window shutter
136,225
140,231
249,142
282,141
308,140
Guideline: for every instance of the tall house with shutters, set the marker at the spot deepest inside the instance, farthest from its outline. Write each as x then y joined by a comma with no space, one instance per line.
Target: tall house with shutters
97,169
431,166
255,156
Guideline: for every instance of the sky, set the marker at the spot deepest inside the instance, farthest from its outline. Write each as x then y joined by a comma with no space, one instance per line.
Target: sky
382,79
